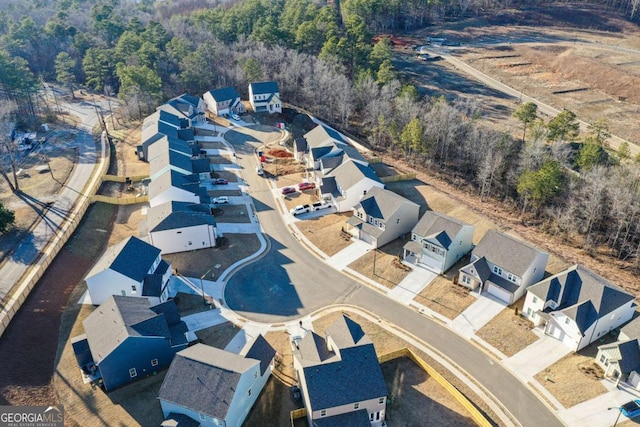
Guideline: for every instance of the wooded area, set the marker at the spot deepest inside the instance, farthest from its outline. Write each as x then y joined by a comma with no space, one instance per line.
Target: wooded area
325,61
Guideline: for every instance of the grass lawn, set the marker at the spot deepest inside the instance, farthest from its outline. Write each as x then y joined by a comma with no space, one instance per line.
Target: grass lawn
325,232
382,265
195,264
443,297
509,332
575,378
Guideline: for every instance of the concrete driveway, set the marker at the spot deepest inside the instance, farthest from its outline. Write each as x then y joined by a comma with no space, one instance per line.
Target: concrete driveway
412,285
349,254
534,358
477,315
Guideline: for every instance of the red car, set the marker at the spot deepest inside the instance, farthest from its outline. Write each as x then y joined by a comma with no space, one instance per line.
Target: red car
220,181
306,186
288,190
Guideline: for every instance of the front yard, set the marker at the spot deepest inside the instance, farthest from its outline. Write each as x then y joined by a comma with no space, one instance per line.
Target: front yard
509,332
383,265
446,298
325,232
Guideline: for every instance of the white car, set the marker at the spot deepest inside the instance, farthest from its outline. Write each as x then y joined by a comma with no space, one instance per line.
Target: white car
235,117
321,205
300,209
220,200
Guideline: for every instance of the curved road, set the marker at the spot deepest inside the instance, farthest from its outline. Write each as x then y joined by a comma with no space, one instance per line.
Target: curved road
289,282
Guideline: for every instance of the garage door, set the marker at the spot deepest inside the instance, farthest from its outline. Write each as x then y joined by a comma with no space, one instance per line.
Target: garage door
366,237
499,293
431,264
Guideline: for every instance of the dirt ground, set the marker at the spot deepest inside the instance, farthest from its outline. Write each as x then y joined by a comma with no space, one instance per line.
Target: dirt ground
196,263
509,332
326,233
575,378
383,265
443,297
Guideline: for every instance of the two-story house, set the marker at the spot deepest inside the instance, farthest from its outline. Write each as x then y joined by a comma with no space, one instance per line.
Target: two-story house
186,106
438,241
163,124
265,97
577,306
162,159
181,226
503,267
382,216
214,387
132,267
223,101
347,183
340,377
172,185
126,339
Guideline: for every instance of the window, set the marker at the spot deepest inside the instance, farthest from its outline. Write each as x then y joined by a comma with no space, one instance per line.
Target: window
466,280
381,400
566,320
535,300
497,270
190,243
413,236
255,375
249,392
178,232
133,288
529,312
154,362
603,358
511,278
398,221
356,405
323,413
201,416
133,373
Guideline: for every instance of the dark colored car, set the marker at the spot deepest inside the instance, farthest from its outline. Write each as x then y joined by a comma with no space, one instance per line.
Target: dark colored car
295,391
220,181
288,190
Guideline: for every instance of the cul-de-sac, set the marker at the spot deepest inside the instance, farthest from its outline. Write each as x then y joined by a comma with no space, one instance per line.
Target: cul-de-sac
319,213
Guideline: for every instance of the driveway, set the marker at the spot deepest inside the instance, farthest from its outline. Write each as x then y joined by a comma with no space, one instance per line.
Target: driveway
349,254
477,315
412,285
534,358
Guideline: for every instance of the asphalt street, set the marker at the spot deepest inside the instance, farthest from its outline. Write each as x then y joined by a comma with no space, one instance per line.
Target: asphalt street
289,282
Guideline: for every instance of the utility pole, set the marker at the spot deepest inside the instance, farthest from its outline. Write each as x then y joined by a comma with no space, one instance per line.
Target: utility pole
204,300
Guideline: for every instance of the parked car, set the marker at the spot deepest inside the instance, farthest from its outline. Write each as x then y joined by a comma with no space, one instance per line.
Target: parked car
219,181
295,391
306,186
235,117
321,205
288,190
220,200
631,409
259,170
300,209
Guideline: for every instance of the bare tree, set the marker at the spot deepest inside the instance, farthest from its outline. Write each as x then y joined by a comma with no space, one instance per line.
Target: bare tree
9,152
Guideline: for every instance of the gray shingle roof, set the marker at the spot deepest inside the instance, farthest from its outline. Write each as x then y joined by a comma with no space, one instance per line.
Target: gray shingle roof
382,204
165,144
160,159
439,227
131,257
172,178
261,350
312,350
174,214
119,318
347,333
632,328
323,135
300,144
350,173
571,288
224,94
329,186
204,379
507,252
264,88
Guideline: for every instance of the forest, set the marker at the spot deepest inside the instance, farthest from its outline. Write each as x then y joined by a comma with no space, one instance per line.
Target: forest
323,55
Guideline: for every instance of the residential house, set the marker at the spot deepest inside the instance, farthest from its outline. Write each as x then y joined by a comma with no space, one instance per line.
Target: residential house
347,184
172,185
162,159
215,387
126,339
186,106
326,145
382,216
223,101
620,360
163,124
438,241
630,330
181,226
577,306
503,267
132,267
340,377
265,97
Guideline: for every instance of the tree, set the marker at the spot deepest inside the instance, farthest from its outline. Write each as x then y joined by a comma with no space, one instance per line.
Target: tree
386,72
98,68
411,136
624,151
381,52
252,70
599,132
590,155
9,159
140,85
526,113
539,186
65,71
564,127
7,218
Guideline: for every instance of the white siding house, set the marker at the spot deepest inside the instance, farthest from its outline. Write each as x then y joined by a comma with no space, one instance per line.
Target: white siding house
132,267
348,183
265,97
223,101
174,186
215,387
382,216
503,267
577,306
439,241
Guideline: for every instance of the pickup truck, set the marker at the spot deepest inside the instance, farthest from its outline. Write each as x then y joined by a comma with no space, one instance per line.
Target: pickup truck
300,209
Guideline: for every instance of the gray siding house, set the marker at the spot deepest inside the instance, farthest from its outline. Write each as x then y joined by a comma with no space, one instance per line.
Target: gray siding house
382,216
126,339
